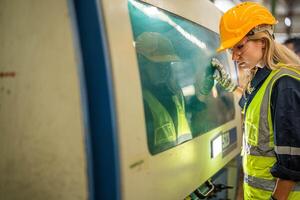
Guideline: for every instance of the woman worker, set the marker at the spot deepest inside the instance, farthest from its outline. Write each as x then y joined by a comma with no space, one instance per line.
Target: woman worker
270,101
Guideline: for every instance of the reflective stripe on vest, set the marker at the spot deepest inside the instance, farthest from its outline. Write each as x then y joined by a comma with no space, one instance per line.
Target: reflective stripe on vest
294,151
164,129
263,183
258,148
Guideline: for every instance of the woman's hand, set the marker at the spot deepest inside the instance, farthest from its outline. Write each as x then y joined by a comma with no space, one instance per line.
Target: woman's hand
222,77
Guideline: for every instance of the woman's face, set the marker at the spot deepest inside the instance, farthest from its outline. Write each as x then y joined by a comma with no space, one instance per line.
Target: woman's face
248,53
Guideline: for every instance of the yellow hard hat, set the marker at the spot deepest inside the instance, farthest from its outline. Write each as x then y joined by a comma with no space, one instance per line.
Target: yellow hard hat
239,20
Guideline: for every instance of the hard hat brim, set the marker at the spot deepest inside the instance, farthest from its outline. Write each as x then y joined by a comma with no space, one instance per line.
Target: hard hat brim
229,43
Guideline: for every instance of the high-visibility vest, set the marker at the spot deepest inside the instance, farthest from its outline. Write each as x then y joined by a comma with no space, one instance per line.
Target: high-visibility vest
258,146
164,128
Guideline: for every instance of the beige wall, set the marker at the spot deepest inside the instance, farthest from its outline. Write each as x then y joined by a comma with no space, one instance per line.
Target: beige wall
42,152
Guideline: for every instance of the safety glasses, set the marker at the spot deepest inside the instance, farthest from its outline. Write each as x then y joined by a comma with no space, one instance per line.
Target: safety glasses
239,48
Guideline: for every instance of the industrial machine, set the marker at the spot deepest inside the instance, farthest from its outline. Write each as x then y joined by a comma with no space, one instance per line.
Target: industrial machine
160,52
113,99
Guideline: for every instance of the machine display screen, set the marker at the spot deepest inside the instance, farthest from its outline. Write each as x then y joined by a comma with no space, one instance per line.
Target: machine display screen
181,99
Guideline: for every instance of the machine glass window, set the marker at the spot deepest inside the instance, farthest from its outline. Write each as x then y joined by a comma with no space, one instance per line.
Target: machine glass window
181,99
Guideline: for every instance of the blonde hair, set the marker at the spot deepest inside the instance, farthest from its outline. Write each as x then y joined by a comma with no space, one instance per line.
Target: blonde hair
274,55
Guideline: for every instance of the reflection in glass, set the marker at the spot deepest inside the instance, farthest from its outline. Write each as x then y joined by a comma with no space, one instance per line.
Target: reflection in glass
181,100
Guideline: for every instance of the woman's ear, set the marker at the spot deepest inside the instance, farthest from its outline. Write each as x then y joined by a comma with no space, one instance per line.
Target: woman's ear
263,42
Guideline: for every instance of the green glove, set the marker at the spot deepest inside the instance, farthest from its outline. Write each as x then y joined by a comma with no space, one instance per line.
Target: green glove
206,81
223,78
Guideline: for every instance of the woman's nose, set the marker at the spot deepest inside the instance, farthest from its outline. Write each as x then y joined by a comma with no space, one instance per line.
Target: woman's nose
235,55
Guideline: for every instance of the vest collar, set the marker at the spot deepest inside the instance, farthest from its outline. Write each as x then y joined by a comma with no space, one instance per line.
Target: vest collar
257,81
260,76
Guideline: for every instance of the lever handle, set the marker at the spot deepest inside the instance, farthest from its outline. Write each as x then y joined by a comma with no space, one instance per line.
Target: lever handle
210,188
